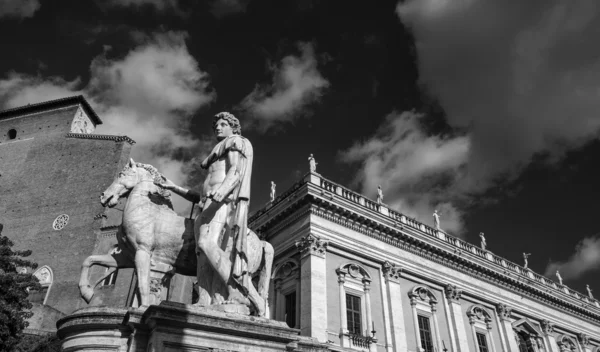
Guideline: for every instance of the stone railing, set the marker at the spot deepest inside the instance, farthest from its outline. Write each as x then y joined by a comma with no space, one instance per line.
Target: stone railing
462,245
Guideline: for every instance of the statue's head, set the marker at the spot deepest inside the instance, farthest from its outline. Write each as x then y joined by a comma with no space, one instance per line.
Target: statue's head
222,131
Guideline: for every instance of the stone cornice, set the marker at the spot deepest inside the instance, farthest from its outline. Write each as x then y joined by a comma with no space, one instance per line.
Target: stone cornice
103,137
329,202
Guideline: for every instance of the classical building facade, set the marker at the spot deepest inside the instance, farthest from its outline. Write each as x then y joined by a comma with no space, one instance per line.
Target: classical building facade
349,272
357,275
53,169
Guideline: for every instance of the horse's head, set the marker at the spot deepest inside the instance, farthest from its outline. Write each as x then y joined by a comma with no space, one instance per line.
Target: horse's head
128,178
132,174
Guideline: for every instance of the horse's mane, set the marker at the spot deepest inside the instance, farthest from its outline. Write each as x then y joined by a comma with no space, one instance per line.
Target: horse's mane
164,194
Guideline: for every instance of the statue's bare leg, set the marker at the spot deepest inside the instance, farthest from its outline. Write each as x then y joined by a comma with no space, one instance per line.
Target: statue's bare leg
205,274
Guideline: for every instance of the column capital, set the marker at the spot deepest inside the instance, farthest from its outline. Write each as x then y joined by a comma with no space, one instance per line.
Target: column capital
391,272
453,293
547,327
504,311
312,245
584,339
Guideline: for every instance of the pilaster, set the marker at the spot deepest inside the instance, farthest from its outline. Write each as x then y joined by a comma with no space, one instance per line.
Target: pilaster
584,341
453,295
504,313
313,284
548,330
391,274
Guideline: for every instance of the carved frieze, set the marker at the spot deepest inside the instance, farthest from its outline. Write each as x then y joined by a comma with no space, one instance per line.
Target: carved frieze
391,272
312,245
453,293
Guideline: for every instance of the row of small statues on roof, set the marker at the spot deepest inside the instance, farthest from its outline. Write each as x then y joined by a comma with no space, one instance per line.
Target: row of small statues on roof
436,221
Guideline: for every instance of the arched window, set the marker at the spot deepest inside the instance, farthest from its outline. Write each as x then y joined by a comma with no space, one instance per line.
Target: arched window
355,306
45,277
12,133
424,308
286,301
481,328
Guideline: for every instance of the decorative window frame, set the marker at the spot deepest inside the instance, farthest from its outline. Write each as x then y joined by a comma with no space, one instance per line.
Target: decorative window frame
423,302
46,277
286,279
531,333
481,322
354,279
566,343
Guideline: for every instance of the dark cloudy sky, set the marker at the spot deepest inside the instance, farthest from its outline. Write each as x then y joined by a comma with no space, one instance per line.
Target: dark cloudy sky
487,110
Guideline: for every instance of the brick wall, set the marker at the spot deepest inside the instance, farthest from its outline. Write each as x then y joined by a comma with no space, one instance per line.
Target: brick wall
44,174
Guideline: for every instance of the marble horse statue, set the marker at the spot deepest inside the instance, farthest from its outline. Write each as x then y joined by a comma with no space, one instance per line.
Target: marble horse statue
151,232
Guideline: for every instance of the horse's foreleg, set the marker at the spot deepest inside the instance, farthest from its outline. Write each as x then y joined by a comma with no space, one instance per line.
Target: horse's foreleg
87,291
142,267
265,273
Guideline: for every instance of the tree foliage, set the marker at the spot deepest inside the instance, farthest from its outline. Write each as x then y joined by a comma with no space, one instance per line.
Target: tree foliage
14,287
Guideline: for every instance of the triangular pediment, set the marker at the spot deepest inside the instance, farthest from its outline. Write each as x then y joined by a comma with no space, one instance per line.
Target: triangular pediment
525,325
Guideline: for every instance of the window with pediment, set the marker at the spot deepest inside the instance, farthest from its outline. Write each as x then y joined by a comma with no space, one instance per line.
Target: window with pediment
424,310
286,304
355,306
528,336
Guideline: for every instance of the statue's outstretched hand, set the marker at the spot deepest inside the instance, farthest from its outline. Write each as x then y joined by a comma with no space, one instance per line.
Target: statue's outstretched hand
166,184
216,196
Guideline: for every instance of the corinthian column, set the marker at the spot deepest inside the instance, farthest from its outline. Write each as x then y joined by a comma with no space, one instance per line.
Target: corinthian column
313,285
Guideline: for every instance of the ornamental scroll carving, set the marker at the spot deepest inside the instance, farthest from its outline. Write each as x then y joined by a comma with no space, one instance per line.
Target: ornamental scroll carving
424,294
391,272
312,245
504,311
452,293
478,313
547,327
566,343
583,339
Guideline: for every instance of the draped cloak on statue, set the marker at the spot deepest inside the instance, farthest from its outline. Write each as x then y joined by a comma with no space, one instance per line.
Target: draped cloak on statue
240,196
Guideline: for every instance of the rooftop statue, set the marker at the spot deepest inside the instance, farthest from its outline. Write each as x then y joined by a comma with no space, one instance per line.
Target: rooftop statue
525,257
436,220
379,194
589,291
312,164
272,191
559,277
151,229
483,242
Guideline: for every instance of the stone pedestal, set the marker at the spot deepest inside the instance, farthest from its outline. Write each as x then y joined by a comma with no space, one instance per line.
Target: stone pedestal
177,327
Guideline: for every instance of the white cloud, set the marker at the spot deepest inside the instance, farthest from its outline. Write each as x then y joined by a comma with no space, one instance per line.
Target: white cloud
296,83
18,8
417,171
586,258
149,95
522,77
519,79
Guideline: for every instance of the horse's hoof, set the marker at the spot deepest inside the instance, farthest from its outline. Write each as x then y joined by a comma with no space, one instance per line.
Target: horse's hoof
87,292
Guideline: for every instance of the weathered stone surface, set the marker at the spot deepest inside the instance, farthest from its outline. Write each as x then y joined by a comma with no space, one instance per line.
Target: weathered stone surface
176,327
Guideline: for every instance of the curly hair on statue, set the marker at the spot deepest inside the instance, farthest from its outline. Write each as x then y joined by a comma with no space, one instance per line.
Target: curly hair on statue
231,120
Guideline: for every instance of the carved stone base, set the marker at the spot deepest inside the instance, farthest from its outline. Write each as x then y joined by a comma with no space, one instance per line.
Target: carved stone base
177,327
230,308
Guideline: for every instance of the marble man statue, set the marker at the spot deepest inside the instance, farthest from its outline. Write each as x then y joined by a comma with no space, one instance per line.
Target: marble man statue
559,277
525,257
379,194
312,163
589,291
483,242
436,220
272,191
224,201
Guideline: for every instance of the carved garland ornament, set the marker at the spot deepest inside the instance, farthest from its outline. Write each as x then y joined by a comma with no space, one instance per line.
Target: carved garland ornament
391,271
60,222
547,327
452,293
504,311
